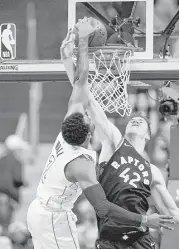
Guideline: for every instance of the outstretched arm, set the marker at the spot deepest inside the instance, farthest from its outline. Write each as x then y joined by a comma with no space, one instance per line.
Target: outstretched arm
78,102
106,130
160,195
108,133
66,51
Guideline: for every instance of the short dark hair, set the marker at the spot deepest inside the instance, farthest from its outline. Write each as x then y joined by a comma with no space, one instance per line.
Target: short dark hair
74,129
140,115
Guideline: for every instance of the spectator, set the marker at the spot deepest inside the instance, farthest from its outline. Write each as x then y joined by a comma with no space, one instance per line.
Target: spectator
11,179
19,235
5,243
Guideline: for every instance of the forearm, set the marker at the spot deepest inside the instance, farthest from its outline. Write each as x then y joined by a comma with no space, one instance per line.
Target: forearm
82,68
70,69
123,216
167,210
163,200
171,206
106,209
80,84
175,213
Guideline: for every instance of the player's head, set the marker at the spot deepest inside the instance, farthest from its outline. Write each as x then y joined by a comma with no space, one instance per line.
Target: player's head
77,129
9,26
139,125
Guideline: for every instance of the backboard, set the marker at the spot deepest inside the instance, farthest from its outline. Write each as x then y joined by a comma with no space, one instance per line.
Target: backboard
127,22
142,24
42,41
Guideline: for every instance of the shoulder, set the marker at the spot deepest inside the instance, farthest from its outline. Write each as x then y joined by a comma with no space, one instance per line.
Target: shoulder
80,164
81,168
84,158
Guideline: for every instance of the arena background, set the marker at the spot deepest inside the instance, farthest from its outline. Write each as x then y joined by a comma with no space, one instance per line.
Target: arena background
51,17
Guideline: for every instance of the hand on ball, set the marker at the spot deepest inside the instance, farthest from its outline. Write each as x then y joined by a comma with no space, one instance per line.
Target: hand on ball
84,28
67,45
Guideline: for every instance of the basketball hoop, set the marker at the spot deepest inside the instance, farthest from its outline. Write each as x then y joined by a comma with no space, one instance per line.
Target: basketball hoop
108,83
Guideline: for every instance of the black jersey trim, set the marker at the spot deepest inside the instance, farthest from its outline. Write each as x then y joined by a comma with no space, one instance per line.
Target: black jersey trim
120,144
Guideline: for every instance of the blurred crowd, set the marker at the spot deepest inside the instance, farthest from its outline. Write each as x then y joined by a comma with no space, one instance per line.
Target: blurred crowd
13,157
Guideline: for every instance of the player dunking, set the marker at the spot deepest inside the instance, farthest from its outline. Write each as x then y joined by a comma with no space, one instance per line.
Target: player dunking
127,178
131,180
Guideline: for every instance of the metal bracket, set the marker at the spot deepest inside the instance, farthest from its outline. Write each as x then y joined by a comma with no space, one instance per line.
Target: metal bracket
167,33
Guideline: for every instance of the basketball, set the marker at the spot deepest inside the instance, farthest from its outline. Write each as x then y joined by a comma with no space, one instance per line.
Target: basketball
98,37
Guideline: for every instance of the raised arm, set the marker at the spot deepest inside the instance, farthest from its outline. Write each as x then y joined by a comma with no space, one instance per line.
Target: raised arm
82,170
106,130
66,51
78,100
160,195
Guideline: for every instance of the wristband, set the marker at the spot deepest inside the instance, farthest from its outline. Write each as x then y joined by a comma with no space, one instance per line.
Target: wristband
144,221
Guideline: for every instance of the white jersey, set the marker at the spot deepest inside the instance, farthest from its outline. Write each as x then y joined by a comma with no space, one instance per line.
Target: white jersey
53,183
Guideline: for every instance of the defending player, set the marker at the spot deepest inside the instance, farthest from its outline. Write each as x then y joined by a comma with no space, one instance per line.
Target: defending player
133,179
128,179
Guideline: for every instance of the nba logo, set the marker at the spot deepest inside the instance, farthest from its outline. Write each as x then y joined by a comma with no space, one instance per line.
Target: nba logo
8,41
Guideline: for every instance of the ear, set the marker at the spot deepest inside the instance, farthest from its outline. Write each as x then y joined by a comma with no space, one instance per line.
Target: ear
89,135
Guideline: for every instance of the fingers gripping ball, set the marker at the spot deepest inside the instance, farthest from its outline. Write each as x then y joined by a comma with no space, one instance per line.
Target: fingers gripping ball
98,37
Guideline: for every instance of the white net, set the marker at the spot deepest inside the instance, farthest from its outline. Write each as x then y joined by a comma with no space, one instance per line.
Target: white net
109,82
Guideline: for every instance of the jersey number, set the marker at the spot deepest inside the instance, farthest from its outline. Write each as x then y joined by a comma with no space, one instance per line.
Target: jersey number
126,177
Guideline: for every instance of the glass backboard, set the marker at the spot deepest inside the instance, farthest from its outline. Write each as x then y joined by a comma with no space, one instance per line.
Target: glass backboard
126,22
42,25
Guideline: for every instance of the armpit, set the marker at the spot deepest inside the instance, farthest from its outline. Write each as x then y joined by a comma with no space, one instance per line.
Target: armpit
100,169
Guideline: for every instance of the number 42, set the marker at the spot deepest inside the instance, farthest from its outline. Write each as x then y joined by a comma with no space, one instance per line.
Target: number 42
126,177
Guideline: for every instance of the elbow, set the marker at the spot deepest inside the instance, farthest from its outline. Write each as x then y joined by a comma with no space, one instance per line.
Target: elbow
82,79
101,214
89,103
102,210
84,74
